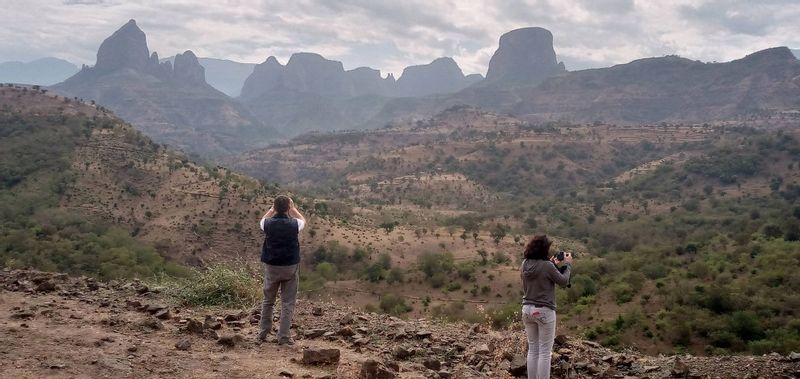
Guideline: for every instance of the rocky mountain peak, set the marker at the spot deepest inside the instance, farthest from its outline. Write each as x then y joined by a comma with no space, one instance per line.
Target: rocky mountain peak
442,75
524,56
187,69
126,48
265,77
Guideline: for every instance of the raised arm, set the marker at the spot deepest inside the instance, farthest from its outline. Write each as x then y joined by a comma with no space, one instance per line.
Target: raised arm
294,213
270,213
557,277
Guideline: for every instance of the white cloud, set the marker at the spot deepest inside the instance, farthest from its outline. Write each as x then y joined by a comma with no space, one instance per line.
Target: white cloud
390,35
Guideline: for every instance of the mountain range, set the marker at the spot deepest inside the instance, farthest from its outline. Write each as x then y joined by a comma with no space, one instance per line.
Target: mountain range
44,71
171,103
174,104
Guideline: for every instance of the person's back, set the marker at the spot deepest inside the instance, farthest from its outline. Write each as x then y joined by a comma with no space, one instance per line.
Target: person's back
280,254
281,243
539,276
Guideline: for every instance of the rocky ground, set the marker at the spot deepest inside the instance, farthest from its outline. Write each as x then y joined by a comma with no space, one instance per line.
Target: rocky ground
56,326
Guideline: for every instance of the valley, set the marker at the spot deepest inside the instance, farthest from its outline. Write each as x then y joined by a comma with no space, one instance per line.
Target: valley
131,192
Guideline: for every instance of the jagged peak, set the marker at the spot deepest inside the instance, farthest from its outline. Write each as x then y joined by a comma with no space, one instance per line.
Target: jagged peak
125,48
272,61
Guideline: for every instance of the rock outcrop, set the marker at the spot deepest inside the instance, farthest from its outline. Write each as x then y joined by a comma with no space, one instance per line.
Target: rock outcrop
188,69
126,48
438,77
173,104
524,57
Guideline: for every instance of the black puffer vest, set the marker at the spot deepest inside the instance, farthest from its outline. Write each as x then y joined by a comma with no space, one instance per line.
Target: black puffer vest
281,246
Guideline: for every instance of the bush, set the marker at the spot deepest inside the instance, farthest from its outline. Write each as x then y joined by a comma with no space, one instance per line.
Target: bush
502,317
623,293
218,285
432,263
394,305
395,276
326,270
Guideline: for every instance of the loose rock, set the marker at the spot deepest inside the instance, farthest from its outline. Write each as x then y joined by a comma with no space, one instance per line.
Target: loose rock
315,356
372,369
230,340
183,344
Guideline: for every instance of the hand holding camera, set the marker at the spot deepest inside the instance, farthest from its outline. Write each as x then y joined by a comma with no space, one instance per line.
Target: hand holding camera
563,256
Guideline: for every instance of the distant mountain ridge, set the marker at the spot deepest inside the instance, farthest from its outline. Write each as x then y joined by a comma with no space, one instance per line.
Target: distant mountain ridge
314,93
171,103
647,90
225,75
174,104
44,71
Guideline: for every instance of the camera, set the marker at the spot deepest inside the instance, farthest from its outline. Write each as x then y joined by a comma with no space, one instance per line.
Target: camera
560,256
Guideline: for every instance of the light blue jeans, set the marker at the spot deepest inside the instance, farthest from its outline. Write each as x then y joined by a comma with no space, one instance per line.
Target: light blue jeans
540,328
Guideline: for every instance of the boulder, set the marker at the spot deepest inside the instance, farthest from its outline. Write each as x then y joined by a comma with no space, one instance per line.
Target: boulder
372,369
319,356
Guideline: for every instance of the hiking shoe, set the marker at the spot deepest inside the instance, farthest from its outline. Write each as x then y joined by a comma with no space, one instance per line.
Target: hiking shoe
285,341
262,336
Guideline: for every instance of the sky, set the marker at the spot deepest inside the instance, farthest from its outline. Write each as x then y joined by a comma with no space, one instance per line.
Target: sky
390,35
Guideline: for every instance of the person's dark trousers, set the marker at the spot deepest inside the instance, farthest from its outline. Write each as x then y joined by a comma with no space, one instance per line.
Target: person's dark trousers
285,279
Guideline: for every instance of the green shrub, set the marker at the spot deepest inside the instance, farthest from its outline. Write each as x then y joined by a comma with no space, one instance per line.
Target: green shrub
432,263
623,292
218,285
394,304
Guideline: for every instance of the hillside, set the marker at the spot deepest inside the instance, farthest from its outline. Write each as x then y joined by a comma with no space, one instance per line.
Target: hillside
171,104
714,193
57,326
391,207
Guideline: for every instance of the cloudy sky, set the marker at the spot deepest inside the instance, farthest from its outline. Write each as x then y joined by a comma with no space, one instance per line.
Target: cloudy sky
390,35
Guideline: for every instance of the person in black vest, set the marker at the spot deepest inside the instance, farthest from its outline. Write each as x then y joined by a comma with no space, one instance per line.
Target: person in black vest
281,256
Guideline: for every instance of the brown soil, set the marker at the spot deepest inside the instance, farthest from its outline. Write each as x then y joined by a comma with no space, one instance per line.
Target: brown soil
55,326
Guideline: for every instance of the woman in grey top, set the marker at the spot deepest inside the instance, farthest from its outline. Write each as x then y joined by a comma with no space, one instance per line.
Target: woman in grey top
539,276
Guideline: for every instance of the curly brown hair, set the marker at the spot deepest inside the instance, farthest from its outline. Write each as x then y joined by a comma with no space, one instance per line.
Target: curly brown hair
538,247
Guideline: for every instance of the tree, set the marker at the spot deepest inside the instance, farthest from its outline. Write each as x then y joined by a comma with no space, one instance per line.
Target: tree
483,254
498,232
388,226
432,263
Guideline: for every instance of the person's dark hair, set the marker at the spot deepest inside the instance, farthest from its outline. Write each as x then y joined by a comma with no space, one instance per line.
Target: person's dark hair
281,204
538,248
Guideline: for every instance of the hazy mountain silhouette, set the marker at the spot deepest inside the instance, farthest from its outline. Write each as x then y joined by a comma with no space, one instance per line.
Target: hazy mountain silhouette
44,71
647,90
225,75
314,93
171,103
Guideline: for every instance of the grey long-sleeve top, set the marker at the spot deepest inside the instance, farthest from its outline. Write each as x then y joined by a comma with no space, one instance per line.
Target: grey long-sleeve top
538,281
